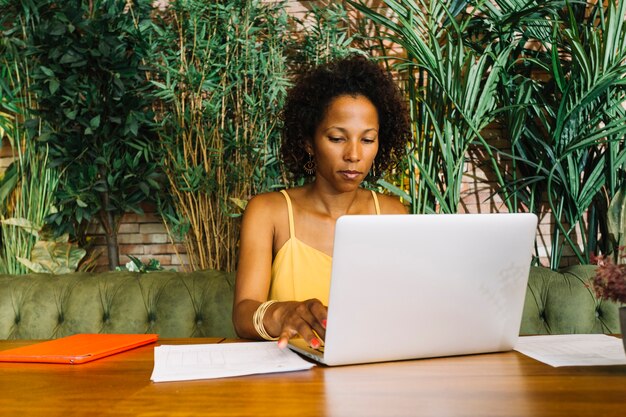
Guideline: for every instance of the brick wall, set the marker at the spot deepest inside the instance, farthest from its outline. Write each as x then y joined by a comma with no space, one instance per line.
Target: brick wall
142,236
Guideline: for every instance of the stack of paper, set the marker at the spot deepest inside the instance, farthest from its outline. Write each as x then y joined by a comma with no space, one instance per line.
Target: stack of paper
573,349
188,362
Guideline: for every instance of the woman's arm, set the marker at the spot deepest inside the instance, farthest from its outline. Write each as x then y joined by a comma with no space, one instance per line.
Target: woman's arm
254,264
283,319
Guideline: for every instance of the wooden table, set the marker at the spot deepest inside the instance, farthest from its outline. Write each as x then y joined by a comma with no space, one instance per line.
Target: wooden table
501,384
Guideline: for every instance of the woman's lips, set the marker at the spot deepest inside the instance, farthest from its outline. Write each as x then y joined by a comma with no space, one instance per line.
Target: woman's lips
351,175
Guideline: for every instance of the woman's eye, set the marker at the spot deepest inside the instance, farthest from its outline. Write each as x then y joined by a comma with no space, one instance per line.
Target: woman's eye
369,140
334,139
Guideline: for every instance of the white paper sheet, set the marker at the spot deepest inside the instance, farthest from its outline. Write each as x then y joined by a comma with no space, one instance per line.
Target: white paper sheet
188,362
573,349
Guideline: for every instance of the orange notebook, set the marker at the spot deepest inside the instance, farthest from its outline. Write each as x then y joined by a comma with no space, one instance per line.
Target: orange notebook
76,349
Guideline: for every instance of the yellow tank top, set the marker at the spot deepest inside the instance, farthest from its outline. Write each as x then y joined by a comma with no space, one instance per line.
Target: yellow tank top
299,271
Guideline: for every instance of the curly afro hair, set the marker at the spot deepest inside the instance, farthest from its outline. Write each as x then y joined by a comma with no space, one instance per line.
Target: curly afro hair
313,91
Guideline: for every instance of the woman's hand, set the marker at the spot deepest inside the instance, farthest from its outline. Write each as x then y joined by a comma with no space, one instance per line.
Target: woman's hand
304,318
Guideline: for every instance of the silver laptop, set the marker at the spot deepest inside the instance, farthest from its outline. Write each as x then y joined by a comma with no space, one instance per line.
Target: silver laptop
421,286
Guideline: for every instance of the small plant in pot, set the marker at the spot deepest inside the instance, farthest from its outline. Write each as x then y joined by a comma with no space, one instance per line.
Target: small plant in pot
609,283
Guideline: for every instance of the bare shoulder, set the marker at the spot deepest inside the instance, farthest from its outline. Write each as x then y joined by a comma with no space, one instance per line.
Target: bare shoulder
263,215
391,205
267,208
266,219
265,204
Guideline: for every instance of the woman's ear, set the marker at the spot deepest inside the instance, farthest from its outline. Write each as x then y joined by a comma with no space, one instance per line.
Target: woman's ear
308,147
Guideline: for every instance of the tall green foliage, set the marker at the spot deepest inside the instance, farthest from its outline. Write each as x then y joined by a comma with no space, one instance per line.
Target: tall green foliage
452,93
221,80
616,224
568,126
585,123
94,109
323,34
224,70
219,71
27,186
552,72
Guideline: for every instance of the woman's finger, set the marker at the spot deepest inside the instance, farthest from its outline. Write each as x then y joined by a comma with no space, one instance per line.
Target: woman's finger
319,312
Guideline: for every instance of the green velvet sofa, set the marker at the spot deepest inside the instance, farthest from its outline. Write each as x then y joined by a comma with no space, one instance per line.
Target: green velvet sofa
172,304
198,304
563,303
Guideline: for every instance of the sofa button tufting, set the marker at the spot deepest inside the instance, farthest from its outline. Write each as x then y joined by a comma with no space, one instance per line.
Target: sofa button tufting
60,319
151,317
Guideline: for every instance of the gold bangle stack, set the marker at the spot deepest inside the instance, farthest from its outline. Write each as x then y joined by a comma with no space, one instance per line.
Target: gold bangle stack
257,320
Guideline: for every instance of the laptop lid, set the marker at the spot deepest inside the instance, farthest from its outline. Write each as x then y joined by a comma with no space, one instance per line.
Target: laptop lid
77,349
417,286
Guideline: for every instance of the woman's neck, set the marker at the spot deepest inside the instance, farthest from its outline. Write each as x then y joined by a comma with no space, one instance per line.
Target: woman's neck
330,202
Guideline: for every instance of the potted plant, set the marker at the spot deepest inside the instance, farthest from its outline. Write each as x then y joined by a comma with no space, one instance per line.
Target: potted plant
609,283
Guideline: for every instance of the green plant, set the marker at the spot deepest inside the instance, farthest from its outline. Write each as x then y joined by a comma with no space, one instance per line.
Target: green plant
569,146
49,254
223,74
616,222
221,80
94,110
136,265
552,72
323,34
450,110
27,186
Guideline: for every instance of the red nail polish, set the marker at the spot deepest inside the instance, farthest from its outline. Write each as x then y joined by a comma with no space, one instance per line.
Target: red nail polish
324,323
315,343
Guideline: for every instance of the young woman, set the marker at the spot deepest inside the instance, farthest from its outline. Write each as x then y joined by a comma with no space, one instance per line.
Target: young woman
343,122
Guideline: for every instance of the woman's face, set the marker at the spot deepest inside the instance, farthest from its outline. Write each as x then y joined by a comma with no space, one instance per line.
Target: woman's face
345,142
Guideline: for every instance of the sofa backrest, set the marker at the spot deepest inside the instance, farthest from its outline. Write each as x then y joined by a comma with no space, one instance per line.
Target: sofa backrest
199,304
172,304
563,303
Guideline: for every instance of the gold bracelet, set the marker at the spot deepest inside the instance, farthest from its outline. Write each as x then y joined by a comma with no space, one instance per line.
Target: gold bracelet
258,317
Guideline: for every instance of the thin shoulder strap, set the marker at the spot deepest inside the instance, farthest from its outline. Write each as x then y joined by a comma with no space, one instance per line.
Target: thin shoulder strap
376,201
292,230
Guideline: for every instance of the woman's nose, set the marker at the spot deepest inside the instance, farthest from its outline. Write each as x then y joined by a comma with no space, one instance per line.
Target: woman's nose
353,151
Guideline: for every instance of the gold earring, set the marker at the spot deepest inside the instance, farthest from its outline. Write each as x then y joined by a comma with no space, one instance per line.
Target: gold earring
309,166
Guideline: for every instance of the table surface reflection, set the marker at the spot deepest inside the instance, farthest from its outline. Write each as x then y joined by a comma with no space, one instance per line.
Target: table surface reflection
496,384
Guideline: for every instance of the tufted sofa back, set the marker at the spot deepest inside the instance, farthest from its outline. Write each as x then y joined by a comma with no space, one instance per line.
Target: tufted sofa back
562,303
199,304
172,304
